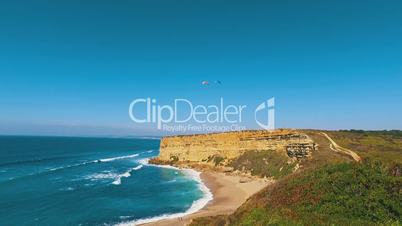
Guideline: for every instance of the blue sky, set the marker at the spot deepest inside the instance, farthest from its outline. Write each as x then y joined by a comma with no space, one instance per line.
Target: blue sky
73,67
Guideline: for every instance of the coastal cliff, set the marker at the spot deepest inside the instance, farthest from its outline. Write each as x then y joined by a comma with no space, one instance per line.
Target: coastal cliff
233,150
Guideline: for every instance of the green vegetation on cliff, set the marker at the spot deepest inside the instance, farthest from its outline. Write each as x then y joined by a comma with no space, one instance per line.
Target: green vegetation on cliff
381,145
330,189
340,194
264,163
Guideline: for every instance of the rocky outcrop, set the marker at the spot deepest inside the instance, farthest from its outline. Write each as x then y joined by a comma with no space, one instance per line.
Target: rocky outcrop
221,148
300,150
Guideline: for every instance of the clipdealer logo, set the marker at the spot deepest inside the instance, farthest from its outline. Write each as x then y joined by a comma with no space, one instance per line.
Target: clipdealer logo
183,111
269,108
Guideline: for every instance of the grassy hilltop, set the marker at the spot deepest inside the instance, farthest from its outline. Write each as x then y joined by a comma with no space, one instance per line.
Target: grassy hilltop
385,146
331,188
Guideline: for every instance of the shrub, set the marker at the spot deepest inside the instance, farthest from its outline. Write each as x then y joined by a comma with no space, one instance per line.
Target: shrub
264,163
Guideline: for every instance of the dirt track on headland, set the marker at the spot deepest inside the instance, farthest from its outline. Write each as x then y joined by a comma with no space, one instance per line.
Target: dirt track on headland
335,147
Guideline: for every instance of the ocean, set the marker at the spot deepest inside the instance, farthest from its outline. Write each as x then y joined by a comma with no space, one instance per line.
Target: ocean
91,181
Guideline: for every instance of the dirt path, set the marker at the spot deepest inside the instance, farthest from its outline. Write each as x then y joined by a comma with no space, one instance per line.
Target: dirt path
335,147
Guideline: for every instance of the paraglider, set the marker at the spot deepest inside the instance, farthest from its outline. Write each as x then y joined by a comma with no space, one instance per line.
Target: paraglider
207,83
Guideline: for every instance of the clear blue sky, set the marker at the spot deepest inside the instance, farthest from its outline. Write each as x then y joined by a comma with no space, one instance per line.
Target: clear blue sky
72,67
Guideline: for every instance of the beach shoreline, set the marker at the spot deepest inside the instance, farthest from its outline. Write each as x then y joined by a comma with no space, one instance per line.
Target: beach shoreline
229,192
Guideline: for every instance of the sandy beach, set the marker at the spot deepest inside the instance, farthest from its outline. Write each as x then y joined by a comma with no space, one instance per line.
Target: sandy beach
228,194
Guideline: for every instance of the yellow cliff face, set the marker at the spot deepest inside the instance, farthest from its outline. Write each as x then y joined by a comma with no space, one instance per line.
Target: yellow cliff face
230,145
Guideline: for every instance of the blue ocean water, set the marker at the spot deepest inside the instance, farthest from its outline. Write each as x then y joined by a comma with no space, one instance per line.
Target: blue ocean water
88,181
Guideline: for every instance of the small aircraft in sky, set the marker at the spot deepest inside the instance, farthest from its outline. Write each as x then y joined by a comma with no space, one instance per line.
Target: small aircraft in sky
207,83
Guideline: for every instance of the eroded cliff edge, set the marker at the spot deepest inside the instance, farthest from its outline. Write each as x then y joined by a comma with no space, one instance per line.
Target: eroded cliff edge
256,152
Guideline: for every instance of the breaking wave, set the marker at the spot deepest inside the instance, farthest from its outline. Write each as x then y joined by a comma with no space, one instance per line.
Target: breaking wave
119,158
96,161
195,207
117,180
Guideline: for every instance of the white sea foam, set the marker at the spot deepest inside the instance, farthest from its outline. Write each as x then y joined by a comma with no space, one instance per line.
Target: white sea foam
67,189
70,166
117,180
144,161
95,161
169,182
124,217
101,176
138,167
118,158
195,207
